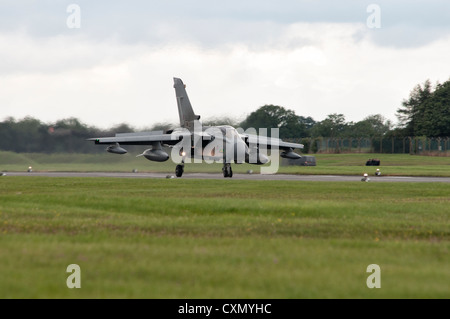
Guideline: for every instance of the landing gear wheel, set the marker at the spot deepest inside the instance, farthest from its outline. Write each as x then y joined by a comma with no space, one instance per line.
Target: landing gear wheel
179,170
227,171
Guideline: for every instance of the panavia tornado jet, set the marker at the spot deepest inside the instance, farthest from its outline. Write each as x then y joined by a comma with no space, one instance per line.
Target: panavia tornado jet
192,141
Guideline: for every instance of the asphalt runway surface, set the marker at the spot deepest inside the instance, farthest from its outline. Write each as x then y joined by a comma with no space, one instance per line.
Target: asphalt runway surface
281,177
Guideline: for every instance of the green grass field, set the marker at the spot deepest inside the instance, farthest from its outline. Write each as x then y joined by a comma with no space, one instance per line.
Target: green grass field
180,238
336,164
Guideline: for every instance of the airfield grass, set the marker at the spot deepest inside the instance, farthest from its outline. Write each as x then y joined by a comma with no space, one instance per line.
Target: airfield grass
327,164
175,238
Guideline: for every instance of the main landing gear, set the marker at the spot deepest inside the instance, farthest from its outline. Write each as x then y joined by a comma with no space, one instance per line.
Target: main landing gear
227,171
179,170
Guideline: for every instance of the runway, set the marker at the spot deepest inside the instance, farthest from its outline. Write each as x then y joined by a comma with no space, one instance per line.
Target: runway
281,177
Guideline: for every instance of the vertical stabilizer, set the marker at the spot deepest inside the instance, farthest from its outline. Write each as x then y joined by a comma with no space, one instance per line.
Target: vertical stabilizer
185,111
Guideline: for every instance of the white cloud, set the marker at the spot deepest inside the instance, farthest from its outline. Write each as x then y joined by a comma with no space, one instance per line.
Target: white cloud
313,68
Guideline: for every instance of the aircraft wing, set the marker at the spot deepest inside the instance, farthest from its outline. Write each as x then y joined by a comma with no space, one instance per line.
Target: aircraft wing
270,141
141,138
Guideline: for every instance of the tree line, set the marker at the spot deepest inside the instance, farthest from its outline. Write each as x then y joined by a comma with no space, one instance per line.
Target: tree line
425,113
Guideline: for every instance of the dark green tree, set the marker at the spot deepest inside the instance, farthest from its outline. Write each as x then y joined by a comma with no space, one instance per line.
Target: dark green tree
216,121
274,116
436,118
7,134
306,126
333,126
69,135
426,112
162,126
371,126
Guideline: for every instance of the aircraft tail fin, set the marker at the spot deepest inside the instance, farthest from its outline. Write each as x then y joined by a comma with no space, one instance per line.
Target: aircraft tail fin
185,111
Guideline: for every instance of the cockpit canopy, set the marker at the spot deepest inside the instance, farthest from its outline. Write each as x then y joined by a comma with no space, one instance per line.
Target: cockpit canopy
229,132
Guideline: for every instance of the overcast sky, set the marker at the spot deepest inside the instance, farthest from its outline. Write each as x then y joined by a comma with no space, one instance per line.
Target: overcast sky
114,61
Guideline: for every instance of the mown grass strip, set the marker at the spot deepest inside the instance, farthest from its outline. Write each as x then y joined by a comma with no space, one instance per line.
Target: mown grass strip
179,238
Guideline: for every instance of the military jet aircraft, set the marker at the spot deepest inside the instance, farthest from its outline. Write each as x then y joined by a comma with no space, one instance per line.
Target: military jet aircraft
193,141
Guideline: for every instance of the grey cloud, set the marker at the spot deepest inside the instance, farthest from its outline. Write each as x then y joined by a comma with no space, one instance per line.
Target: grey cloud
404,23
